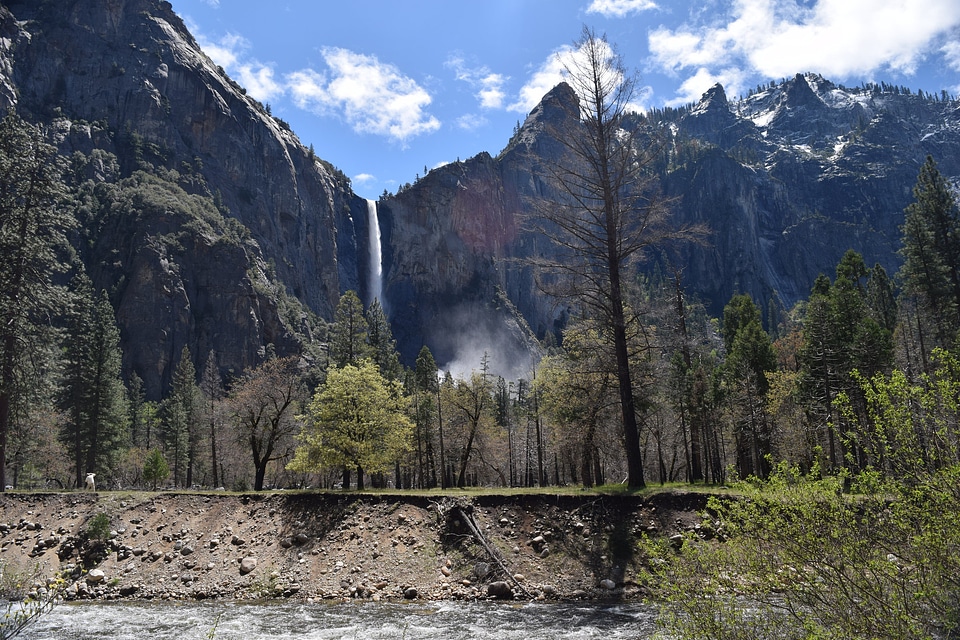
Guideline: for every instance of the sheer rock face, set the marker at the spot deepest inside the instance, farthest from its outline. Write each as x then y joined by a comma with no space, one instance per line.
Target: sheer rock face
458,271
126,77
786,180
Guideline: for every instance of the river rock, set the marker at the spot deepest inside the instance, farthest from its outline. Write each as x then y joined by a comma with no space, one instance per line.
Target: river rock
410,593
500,590
247,565
608,584
96,576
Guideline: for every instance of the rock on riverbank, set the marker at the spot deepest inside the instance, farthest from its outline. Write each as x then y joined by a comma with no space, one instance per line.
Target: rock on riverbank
338,545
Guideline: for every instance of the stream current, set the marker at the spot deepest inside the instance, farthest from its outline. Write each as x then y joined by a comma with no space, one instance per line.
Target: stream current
324,621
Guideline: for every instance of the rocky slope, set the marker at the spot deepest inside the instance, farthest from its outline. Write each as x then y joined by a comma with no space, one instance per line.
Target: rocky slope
196,546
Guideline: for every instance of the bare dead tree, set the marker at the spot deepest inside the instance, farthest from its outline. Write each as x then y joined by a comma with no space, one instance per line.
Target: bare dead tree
608,212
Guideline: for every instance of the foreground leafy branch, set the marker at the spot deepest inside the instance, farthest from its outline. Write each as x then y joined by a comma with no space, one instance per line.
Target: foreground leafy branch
24,607
804,560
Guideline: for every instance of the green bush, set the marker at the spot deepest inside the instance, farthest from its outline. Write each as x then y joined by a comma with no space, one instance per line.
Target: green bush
803,560
98,528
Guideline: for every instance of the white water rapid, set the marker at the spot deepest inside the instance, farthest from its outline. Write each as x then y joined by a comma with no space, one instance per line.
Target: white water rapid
375,267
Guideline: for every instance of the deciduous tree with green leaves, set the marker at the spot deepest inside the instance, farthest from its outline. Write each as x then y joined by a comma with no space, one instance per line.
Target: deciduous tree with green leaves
358,419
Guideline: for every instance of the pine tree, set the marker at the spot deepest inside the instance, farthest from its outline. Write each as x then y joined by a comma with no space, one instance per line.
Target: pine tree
842,335
95,397
180,414
32,228
155,468
211,386
931,253
750,357
609,212
382,345
426,390
349,335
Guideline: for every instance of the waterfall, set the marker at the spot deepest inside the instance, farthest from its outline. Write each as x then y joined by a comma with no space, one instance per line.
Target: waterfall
375,266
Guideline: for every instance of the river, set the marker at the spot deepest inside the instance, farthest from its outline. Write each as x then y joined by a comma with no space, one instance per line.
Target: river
324,621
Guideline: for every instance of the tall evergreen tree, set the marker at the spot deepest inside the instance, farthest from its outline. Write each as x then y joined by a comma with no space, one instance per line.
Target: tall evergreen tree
750,357
426,393
211,386
95,396
841,334
931,253
180,417
609,212
32,228
349,335
382,345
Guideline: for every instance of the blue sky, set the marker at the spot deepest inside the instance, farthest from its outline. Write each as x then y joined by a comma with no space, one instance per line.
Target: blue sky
386,88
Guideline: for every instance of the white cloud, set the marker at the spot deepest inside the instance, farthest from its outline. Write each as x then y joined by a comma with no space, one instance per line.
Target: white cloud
363,178
224,52
620,8
951,52
487,85
372,96
778,38
471,122
258,81
491,93
551,73
229,52
693,88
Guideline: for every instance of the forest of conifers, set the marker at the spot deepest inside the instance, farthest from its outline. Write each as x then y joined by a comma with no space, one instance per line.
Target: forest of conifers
862,375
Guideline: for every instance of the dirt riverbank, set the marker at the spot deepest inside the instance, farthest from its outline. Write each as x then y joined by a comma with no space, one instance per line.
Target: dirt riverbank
338,545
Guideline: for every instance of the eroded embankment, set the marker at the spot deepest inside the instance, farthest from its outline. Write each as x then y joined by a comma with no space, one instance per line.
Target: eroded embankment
338,545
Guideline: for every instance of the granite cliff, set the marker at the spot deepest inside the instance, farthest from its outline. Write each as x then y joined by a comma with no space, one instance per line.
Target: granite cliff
128,92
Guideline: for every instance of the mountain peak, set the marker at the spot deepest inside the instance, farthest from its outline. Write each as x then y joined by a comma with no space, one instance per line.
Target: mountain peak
798,92
713,98
558,105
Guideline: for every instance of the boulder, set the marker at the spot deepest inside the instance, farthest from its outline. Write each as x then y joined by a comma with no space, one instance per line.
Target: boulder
500,590
247,565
